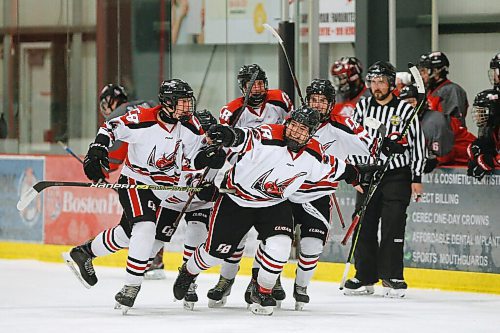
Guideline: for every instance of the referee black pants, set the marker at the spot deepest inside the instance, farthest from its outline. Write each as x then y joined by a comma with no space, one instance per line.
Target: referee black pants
384,260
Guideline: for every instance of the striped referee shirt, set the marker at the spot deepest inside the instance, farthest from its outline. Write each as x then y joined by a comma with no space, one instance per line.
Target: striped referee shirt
394,115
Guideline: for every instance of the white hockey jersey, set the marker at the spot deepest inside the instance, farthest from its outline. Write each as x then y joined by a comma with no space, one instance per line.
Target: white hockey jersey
267,173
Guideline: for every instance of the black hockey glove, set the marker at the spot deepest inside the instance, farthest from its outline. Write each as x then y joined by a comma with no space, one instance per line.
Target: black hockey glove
481,166
366,173
96,163
210,156
391,146
430,165
205,118
209,192
225,135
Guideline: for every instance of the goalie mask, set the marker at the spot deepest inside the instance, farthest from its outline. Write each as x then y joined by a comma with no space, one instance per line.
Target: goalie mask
486,108
320,95
111,97
260,86
177,101
300,127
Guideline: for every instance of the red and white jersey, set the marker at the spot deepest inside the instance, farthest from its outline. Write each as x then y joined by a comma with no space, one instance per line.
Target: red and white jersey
273,110
339,136
157,152
267,173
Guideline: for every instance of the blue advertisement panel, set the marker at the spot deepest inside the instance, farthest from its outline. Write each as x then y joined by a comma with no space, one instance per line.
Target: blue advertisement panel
17,175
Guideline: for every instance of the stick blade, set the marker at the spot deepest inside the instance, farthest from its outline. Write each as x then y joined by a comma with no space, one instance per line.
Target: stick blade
419,82
26,198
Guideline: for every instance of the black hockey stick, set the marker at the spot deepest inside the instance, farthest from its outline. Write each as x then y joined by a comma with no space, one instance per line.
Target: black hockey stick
31,194
207,170
357,221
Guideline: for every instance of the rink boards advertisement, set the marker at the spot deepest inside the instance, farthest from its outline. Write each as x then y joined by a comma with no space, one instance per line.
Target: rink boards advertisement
454,227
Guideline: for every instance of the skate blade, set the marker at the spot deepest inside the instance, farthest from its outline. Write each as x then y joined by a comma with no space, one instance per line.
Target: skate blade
217,304
394,293
299,306
155,274
188,305
363,291
257,309
71,264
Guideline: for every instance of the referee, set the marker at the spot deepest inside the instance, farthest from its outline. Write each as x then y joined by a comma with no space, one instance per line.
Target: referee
383,260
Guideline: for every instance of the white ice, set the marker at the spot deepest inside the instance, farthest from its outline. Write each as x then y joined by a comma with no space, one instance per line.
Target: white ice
46,297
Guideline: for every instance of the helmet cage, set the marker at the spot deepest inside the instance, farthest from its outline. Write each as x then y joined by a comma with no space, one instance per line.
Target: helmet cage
171,91
306,116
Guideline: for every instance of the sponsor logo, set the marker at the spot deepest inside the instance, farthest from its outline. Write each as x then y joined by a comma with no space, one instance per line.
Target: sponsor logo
282,228
316,231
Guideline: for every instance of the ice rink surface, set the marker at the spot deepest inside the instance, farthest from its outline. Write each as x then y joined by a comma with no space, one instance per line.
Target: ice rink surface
41,297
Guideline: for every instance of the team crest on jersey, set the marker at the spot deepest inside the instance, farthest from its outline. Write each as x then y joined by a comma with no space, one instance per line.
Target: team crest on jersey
327,145
273,189
166,161
395,120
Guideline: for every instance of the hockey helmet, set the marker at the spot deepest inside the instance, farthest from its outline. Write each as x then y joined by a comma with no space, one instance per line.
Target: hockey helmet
171,91
325,88
345,71
382,68
494,71
245,75
486,108
294,138
110,94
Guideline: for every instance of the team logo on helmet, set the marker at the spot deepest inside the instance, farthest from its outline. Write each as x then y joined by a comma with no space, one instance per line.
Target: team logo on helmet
395,120
273,189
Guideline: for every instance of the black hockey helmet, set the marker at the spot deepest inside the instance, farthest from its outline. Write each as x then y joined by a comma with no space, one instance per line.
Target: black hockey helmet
382,68
306,116
408,92
245,75
436,63
345,71
494,71
486,108
109,94
325,88
171,91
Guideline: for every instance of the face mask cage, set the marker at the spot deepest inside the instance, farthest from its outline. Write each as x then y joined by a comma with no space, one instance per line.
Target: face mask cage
296,136
480,114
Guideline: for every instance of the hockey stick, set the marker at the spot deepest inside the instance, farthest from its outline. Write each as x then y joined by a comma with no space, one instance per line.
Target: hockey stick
207,170
31,194
356,222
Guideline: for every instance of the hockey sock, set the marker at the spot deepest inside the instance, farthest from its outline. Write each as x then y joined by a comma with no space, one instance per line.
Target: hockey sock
201,261
139,251
231,265
272,260
109,241
310,250
196,233
258,253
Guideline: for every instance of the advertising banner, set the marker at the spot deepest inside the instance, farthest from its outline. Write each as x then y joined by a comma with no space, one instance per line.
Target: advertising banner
75,214
454,227
17,175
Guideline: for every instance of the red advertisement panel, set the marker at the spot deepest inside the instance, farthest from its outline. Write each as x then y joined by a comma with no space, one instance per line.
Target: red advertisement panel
75,214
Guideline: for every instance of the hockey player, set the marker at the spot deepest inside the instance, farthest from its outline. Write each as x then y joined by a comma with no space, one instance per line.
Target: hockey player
273,162
348,81
270,106
439,138
161,141
311,207
113,103
494,71
384,260
484,152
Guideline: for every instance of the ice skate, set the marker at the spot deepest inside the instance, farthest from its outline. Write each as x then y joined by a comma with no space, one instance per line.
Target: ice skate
301,297
262,303
79,260
183,282
278,292
354,287
125,298
217,296
394,288
191,297
248,292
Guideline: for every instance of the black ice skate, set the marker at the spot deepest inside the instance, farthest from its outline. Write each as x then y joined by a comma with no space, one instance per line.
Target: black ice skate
79,260
191,297
263,303
354,287
301,297
278,292
217,296
125,298
394,288
182,283
253,281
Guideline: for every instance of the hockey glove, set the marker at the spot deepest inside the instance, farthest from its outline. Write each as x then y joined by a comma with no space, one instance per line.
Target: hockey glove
481,166
225,135
210,156
391,146
205,118
430,165
209,192
96,163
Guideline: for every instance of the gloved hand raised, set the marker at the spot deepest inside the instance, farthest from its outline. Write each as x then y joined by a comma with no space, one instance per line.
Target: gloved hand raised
205,118
225,135
210,156
96,162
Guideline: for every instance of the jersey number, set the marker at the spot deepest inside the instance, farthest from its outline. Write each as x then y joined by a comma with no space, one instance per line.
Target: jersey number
133,116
